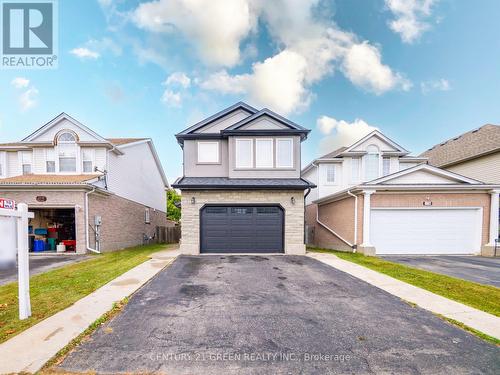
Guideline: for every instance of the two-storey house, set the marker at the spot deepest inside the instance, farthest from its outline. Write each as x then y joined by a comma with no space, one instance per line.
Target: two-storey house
87,192
241,190
374,198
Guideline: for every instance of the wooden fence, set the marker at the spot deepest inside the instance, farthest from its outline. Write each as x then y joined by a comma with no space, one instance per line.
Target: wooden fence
168,234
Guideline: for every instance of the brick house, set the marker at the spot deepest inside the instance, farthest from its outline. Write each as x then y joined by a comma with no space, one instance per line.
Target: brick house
241,189
97,194
374,198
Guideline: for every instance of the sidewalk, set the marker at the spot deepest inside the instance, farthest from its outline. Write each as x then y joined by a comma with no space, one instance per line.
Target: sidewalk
31,349
474,318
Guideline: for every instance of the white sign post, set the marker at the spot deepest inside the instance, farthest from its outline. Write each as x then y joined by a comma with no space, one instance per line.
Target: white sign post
23,262
19,217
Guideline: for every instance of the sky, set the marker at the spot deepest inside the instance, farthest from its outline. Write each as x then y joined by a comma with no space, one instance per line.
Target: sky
421,71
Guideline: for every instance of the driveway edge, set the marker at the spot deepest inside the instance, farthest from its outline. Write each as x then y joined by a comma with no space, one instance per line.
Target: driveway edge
479,320
48,337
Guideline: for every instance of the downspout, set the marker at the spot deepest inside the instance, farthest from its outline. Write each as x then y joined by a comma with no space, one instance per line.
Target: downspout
87,236
305,227
355,246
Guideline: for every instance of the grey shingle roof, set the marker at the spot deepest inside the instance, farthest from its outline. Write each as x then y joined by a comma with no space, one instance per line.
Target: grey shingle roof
334,153
476,142
241,183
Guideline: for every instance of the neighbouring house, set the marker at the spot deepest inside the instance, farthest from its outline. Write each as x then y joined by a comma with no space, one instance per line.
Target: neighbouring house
241,189
474,154
88,192
375,198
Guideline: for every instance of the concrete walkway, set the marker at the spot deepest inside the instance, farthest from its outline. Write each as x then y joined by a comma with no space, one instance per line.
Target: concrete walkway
474,318
31,349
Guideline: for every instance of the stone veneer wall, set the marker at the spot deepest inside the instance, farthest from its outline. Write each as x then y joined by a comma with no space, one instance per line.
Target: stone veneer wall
122,221
294,214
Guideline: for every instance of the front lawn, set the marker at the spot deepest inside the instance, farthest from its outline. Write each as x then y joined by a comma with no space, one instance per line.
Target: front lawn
482,297
55,290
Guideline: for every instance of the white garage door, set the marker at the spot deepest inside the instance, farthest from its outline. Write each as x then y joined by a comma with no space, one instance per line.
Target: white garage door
426,231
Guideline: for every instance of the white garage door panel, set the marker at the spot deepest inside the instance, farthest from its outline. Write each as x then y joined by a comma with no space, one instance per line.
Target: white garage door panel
426,231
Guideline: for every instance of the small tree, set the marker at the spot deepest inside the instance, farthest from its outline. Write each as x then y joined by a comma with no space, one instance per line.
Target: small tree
173,203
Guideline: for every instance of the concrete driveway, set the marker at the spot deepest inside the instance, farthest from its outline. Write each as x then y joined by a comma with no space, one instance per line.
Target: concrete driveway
40,264
274,314
478,269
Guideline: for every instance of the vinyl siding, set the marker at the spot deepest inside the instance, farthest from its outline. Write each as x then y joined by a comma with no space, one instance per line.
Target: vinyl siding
135,176
485,168
39,160
12,164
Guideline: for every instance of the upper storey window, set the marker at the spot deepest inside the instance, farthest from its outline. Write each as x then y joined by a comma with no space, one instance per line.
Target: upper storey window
208,152
264,153
284,153
372,163
26,161
244,153
67,148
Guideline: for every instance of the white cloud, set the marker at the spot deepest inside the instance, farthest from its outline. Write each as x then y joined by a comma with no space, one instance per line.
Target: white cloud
435,85
215,28
362,65
339,133
29,98
105,3
85,53
171,98
20,82
178,78
411,17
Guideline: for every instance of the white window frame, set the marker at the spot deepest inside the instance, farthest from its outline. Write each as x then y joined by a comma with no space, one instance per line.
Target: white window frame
50,159
270,162
292,155
92,159
198,152
355,172
147,216
386,159
77,152
236,159
23,162
328,168
366,164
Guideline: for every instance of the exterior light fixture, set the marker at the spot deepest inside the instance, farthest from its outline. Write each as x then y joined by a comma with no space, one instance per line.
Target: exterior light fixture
193,200
292,199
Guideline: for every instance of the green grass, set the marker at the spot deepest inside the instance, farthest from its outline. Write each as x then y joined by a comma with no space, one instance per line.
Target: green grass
482,297
55,290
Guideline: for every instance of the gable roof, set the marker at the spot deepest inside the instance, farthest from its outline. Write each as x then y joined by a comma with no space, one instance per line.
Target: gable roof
475,143
269,113
218,115
381,136
427,168
254,114
56,120
124,141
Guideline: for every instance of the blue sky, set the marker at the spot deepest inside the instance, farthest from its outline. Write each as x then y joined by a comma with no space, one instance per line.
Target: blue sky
421,71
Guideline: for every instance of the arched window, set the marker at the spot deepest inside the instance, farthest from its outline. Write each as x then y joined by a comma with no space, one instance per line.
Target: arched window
67,150
372,163
66,137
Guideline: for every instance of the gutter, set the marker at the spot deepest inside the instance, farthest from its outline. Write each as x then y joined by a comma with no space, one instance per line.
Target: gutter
87,236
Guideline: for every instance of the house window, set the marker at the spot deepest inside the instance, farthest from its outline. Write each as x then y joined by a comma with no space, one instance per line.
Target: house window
50,161
244,153
264,153
330,174
208,152
87,160
147,216
26,161
284,153
372,163
386,166
355,172
67,152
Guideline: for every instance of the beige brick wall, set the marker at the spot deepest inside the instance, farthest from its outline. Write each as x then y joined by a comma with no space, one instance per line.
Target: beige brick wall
323,238
55,198
122,221
294,214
